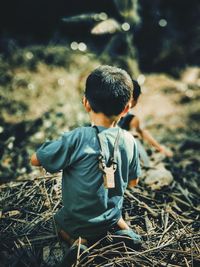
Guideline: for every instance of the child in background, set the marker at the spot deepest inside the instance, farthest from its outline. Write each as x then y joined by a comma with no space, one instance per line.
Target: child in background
131,123
98,163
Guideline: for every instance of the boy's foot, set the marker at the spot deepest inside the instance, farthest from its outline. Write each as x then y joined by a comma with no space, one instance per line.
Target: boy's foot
129,237
71,256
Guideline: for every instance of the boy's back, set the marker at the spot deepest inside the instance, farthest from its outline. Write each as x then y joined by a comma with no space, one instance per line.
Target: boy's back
90,208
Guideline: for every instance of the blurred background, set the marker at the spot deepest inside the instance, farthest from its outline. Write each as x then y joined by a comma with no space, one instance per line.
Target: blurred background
47,49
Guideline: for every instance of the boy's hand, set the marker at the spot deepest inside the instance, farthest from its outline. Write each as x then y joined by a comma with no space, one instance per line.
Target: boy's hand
165,151
133,183
34,160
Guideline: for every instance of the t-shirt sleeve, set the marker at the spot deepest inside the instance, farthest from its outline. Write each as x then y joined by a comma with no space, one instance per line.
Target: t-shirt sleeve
55,155
134,169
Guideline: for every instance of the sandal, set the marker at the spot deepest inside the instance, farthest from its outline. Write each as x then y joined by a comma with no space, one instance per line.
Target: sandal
129,237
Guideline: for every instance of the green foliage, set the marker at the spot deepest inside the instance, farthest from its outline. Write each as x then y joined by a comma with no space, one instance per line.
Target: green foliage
31,56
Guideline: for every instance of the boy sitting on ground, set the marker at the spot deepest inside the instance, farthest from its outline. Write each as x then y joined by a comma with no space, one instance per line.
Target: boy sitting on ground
131,123
98,162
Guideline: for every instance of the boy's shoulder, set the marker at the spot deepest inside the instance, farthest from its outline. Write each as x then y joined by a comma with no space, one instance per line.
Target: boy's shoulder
128,138
88,132
79,132
128,135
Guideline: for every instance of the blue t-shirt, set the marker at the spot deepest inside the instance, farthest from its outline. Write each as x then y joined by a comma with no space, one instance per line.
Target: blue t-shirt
88,207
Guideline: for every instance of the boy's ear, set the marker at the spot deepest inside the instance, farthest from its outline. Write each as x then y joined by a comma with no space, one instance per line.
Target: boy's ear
126,109
86,104
133,103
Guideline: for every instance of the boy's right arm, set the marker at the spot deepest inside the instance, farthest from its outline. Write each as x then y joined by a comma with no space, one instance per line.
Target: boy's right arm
134,168
57,154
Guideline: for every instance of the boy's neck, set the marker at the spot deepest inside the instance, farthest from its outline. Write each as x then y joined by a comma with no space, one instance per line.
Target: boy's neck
99,119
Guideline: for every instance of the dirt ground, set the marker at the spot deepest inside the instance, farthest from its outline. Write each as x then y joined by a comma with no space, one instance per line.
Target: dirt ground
38,104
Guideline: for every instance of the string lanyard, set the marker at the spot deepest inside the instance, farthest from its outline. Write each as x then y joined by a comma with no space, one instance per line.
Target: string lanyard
109,168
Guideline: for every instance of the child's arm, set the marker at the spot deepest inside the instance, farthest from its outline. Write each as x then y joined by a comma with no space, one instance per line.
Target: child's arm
145,135
133,183
34,160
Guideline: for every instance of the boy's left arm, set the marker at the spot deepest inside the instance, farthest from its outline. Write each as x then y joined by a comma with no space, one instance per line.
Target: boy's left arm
133,183
146,135
150,139
34,160
162,149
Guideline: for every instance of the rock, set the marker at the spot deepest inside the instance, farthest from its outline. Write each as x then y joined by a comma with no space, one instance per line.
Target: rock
191,75
158,178
108,26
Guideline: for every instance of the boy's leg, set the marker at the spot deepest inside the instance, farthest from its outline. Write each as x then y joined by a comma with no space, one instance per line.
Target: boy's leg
127,235
75,245
71,241
62,234
71,256
122,224
65,236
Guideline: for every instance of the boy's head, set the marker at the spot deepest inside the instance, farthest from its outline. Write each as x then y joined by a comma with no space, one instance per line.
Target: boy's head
136,92
108,90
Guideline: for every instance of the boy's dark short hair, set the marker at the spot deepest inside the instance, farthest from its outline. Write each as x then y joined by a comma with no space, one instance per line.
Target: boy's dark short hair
108,90
136,90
